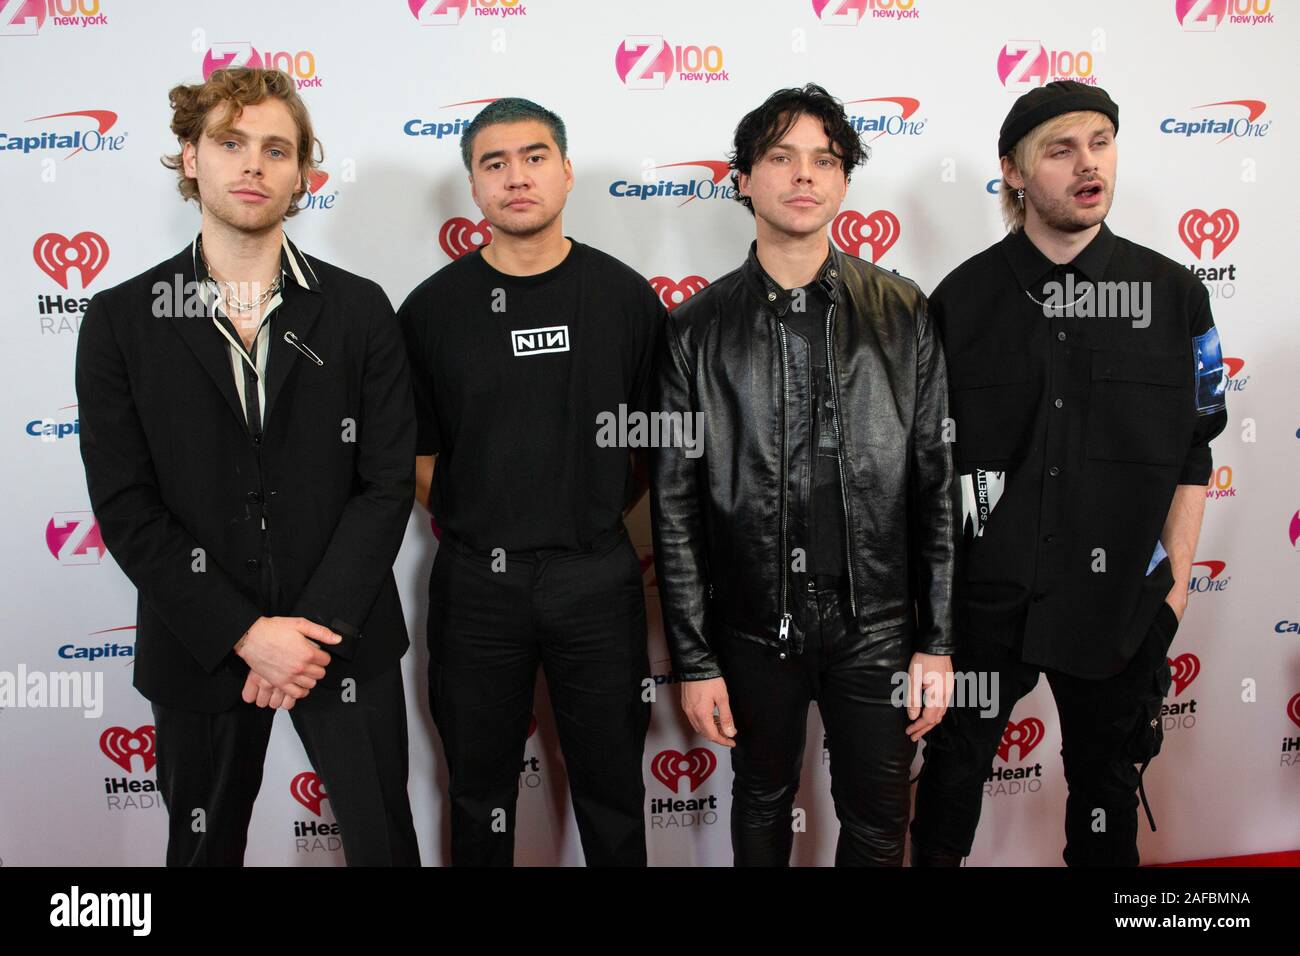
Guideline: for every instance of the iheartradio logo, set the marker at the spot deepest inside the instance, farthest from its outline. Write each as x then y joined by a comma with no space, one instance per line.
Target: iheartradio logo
306,788
55,254
458,236
73,537
673,293
1293,709
879,230
1219,228
1295,530
120,745
669,766
1027,734
1184,669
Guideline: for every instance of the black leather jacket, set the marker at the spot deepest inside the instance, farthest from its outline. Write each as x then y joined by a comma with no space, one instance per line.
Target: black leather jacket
720,519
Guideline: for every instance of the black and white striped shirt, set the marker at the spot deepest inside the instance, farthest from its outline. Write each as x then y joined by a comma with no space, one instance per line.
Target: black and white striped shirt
249,365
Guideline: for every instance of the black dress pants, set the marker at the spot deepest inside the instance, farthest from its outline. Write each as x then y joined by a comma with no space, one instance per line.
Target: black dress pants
581,616
213,763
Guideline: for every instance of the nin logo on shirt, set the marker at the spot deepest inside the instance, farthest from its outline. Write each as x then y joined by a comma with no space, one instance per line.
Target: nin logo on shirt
553,338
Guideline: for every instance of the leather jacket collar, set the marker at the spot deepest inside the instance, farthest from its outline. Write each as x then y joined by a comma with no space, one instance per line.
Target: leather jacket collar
830,275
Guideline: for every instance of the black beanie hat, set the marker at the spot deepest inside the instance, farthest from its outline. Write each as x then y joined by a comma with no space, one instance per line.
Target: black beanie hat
1052,99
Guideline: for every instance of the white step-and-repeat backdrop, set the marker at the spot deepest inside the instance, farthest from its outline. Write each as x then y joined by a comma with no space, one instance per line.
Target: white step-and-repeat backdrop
1207,90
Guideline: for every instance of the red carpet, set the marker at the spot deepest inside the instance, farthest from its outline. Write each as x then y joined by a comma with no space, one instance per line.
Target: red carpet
1284,858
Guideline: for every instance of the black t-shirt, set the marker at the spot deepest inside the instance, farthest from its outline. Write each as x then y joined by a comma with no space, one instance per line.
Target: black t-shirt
510,374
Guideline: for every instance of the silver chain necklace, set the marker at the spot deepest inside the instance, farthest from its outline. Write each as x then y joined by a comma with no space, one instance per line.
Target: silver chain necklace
1061,308
227,289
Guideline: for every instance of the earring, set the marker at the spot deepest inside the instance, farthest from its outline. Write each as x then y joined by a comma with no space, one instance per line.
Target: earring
1020,195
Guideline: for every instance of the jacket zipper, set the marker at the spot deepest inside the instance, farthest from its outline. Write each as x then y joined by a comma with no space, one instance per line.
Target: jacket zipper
839,459
784,630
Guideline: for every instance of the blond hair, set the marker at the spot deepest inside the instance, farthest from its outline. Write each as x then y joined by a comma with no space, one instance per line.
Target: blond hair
233,89
1029,152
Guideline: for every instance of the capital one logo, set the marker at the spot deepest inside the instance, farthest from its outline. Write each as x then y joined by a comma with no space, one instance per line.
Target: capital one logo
73,537
1027,734
460,236
669,767
94,140
1183,669
900,125
878,230
55,254
1211,580
673,293
1218,228
313,198
1025,64
120,745
307,789
1203,16
1234,126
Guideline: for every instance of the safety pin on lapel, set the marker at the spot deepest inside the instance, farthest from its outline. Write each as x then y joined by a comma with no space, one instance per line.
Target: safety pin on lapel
301,346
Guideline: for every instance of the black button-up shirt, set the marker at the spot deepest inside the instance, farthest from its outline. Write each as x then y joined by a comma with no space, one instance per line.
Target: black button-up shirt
1073,429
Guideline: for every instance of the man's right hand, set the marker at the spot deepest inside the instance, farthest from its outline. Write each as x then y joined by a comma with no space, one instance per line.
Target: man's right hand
280,649
699,699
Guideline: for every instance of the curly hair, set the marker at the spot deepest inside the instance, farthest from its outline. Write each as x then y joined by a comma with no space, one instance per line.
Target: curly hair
764,127
233,89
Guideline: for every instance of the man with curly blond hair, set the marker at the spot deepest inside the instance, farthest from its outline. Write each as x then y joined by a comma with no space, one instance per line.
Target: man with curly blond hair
248,434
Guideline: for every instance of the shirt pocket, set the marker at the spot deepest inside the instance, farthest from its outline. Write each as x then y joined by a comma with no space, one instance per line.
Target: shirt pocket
1138,407
992,404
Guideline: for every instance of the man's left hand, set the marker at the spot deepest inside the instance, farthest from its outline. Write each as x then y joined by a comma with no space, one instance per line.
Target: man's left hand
929,676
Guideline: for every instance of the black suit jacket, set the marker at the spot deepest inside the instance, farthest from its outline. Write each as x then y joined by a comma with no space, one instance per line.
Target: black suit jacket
180,486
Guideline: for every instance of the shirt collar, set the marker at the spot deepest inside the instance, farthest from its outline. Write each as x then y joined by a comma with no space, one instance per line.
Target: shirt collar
1031,267
830,277
294,266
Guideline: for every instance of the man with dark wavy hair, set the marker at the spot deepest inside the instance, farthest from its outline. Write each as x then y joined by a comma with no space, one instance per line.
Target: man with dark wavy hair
808,554
247,431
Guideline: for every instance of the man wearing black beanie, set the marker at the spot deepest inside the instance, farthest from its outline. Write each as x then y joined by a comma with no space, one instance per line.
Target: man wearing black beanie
1086,383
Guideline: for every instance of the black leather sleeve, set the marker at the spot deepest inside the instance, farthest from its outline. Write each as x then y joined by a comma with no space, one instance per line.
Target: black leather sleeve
676,509
932,492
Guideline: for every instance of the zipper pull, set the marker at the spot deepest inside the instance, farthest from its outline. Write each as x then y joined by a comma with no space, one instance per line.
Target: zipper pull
301,346
785,627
